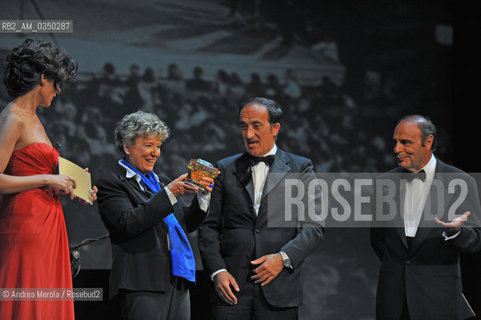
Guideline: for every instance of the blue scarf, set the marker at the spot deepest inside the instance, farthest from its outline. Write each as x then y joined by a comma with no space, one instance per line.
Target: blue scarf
182,257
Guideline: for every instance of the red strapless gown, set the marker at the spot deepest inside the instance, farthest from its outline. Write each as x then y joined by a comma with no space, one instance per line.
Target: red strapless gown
34,250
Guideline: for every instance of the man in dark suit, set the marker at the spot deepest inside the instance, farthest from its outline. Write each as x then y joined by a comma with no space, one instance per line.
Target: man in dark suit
256,270
420,273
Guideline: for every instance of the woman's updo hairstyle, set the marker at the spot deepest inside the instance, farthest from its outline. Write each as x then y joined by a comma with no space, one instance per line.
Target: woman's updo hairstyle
27,62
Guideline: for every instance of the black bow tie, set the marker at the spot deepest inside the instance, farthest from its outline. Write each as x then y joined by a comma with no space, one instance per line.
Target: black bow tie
268,160
409,176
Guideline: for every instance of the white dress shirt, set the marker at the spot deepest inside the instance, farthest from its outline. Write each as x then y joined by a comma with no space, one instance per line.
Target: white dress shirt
259,176
416,194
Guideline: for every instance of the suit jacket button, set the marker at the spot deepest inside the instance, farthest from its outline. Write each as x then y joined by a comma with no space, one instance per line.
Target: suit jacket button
257,230
408,262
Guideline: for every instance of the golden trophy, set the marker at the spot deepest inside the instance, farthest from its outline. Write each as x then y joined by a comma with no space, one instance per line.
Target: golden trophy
198,169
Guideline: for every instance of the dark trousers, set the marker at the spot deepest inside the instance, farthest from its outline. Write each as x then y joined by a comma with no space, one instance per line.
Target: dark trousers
405,312
251,304
174,304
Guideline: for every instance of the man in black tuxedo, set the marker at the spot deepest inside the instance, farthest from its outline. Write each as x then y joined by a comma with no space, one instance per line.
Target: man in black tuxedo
420,274
256,270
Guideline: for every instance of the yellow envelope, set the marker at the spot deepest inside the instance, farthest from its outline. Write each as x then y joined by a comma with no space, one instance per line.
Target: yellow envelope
82,177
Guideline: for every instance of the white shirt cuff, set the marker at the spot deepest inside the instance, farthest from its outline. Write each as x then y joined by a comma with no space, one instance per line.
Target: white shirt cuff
172,198
446,238
215,273
204,201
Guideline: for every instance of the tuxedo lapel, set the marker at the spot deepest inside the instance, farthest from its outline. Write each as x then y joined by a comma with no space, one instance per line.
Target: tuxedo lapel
279,169
423,230
425,227
250,190
431,208
277,172
399,196
243,173
402,234
399,219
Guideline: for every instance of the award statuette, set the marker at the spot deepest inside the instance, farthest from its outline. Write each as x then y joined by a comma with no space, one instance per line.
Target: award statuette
198,169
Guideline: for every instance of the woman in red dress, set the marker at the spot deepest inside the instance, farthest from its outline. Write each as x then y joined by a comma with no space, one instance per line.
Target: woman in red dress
34,252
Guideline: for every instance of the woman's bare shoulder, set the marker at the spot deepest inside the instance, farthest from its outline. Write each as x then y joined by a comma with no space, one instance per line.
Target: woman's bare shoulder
10,118
12,126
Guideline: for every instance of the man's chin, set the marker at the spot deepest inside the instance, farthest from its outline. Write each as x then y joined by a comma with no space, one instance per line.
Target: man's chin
254,153
405,166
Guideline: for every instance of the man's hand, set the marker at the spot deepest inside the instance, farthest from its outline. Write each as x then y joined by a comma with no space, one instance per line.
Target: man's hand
455,225
222,284
208,182
270,267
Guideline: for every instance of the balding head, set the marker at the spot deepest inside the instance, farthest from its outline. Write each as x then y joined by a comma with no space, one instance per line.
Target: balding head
425,125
